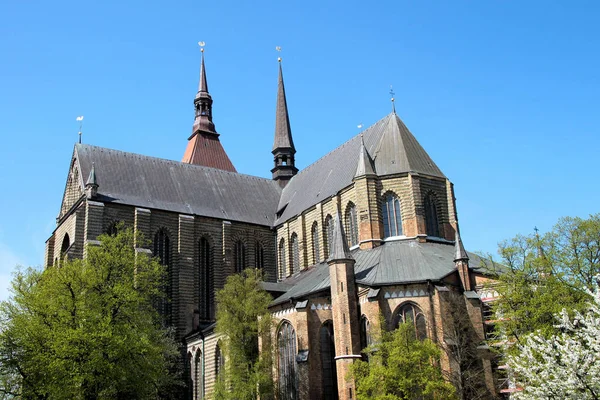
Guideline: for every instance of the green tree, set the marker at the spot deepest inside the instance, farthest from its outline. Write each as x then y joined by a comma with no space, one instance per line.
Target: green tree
401,367
545,274
87,329
242,318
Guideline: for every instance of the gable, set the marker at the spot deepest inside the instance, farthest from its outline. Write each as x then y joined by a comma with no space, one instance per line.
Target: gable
73,188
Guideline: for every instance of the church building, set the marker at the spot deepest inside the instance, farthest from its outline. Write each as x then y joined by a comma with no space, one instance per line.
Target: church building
369,230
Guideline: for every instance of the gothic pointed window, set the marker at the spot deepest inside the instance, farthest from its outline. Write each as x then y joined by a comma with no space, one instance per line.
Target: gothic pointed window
392,216
329,232
431,216
413,315
282,261
205,264
239,256
286,343
219,362
365,332
329,373
316,248
259,255
295,253
64,248
351,225
162,250
198,377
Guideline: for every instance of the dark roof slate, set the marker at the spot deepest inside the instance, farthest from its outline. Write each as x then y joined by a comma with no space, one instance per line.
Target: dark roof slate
283,132
399,262
156,183
389,142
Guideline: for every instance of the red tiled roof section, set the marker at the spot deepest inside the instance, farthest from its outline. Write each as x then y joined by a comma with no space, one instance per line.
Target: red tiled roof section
207,150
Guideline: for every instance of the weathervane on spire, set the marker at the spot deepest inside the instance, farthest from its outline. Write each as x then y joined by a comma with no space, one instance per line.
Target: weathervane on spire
201,44
80,120
392,93
278,48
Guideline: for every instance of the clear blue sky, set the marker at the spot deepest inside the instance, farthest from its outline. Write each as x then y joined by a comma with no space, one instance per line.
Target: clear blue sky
502,94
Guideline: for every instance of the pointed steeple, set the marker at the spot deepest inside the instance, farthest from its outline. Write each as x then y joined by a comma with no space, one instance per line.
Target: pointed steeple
91,185
460,253
204,147
365,162
283,145
203,105
338,249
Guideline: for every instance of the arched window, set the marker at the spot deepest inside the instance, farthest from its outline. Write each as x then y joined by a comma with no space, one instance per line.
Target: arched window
411,314
282,263
329,233
351,225
205,256
286,341
64,247
431,216
295,253
113,228
259,255
392,216
189,374
219,362
316,248
365,332
198,377
239,254
162,250
329,373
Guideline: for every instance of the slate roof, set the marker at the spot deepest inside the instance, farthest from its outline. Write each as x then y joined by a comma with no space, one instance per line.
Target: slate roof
389,142
133,179
398,262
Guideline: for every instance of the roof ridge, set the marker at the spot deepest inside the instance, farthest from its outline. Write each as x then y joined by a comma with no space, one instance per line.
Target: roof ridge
174,162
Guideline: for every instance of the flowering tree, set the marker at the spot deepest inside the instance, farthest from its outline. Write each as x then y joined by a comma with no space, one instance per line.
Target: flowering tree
563,366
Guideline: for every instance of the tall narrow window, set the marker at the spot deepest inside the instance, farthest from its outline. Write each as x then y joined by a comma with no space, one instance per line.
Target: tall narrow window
413,315
351,225
219,362
205,281
392,216
198,377
162,250
329,232
239,254
431,217
282,262
365,333
286,341
295,253
64,247
259,255
316,248
329,374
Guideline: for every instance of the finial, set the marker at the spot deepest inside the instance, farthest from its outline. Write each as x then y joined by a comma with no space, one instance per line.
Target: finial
201,44
536,230
392,93
278,48
359,126
80,120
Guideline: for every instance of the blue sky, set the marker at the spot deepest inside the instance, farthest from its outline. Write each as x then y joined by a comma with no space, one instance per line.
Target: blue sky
502,94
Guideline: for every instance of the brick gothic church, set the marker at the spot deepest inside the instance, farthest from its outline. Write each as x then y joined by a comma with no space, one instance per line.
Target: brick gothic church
369,229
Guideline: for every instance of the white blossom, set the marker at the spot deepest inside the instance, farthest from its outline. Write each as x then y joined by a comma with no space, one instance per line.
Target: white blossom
565,366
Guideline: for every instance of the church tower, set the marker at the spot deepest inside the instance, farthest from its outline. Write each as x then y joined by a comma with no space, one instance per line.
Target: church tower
283,145
344,305
204,147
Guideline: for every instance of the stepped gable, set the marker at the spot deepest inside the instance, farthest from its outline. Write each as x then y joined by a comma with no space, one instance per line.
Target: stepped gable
155,183
393,263
393,148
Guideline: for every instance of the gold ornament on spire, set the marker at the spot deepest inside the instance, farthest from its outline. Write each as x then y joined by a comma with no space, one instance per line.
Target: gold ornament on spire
278,48
201,44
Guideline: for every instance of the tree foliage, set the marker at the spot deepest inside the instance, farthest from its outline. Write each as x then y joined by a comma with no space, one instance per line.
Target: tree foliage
543,269
87,329
242,318
565,365
401,367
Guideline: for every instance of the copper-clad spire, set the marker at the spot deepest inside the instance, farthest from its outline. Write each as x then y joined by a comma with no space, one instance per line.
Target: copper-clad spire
202,85
338,249
283,132
203,104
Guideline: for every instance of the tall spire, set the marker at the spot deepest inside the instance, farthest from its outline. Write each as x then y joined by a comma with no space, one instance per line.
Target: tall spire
204,147
283,145
338,249
365,162
460,254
